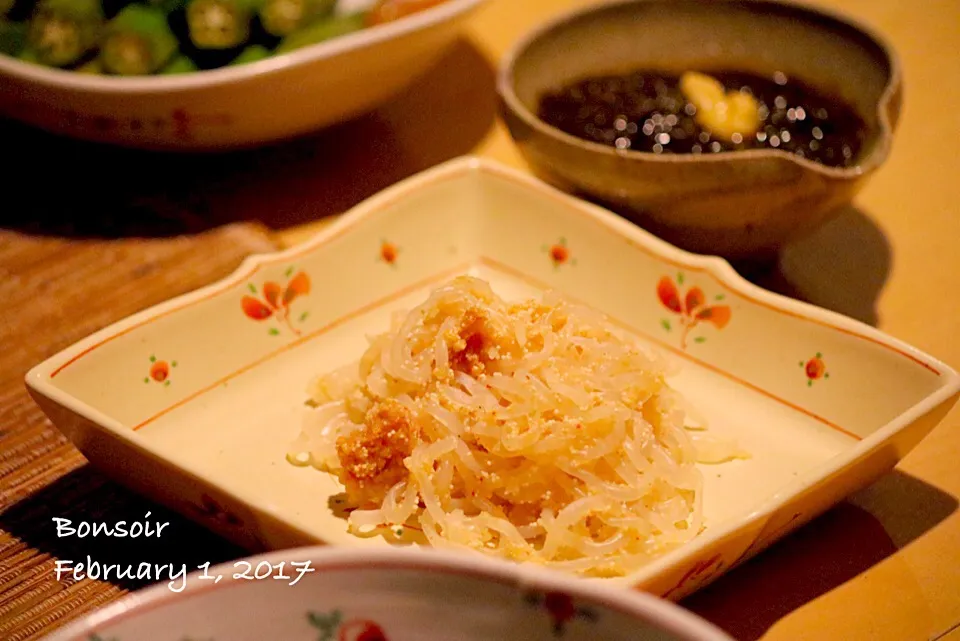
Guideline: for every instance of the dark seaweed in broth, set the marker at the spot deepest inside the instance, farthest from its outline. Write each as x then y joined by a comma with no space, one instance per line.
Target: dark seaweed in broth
646,111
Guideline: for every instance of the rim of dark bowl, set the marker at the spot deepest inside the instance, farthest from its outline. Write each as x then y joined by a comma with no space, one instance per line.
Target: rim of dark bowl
875,158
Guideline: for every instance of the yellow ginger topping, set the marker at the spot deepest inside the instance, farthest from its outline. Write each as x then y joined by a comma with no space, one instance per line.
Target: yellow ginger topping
724,113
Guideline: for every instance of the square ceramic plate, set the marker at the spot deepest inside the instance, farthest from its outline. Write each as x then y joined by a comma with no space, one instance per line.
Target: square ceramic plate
194,402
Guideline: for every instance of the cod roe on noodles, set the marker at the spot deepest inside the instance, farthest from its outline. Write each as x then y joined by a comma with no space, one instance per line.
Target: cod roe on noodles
529,431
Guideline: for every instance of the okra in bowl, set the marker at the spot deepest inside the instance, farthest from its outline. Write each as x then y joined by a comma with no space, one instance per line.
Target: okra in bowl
211,74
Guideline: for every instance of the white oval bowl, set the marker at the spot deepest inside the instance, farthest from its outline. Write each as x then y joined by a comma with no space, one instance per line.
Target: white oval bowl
273,99
387,595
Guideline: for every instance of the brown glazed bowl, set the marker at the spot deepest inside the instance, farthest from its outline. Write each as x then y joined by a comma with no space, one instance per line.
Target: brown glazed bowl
742,205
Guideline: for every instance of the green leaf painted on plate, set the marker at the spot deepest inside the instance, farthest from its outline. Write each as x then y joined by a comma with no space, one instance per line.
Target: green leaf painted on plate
289,271
326,623
679,278
303,316
273,331
719,297
146,379
153,359
699,339
173,363
252,287
666,324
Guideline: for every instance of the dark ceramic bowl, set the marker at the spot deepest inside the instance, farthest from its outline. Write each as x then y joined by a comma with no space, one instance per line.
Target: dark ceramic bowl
738,204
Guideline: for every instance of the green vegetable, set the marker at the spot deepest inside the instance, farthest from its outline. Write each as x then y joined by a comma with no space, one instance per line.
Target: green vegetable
63,31
283,17
28,55
220,24
180,64
321,31
93,67
138,41
253,53
13,37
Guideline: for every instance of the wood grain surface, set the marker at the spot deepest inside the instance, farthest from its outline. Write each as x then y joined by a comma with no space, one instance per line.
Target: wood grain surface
57,289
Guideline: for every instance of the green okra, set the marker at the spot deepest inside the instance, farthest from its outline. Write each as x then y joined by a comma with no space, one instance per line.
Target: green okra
13,37
138,41
180,64
253,53
91,68
283,17
220,24
28,55
62,32
323,30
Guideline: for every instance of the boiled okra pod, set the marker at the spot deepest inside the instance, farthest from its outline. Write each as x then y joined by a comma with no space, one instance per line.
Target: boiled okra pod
220,24
253,53
323,30
62,32
283,17
180,64
138,41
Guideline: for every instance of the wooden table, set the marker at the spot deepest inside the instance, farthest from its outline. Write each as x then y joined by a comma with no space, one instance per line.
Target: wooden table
886,564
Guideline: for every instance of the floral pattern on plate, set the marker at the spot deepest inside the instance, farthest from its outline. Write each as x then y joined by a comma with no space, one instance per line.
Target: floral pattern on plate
698,574
814,369
561,609
354,629
274,301
691,307
159,371
389,253
559,253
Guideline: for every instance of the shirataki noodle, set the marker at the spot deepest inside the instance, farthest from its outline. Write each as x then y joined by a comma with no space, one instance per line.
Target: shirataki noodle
529,431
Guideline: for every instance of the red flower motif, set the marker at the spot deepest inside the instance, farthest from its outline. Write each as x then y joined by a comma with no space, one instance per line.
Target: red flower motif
815,369
692,307
389,252
700,572
559,253
361,630
350,630
159,371
276,301
561,609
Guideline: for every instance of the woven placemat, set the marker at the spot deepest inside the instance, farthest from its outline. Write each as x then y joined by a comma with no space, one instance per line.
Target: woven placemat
55,290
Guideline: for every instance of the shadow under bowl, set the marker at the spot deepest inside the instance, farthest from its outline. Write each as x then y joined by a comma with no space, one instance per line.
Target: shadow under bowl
742,205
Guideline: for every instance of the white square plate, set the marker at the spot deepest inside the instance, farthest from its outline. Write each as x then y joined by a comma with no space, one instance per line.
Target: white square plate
194,403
